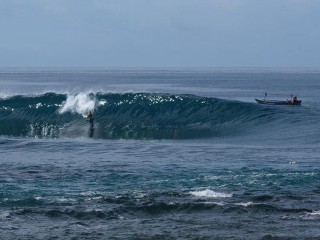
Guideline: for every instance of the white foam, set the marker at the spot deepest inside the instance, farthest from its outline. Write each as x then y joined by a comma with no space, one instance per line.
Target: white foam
210,194
245,204
94,198
102,102
89,194
215,203
79,103
88,210
4,215
38,105
5,95
66,199
314,213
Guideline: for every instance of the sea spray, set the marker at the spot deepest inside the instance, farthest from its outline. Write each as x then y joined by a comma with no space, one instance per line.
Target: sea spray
78,103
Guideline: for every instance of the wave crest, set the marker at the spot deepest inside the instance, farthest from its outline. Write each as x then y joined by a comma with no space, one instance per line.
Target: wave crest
129,115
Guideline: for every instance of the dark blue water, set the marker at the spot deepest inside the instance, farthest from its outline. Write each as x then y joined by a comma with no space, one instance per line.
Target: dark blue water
174,154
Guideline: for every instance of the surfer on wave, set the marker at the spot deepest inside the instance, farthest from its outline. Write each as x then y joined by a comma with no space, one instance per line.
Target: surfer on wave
90,119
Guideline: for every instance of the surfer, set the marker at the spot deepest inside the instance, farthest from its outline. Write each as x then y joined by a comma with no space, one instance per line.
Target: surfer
90,119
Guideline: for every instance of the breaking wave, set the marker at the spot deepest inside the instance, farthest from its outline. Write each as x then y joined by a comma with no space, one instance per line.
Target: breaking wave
128,115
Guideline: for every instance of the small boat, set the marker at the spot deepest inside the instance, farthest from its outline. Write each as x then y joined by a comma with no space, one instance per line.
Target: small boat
292,101
276,102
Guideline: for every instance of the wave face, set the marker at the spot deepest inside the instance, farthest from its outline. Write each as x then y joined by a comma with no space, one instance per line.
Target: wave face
128,115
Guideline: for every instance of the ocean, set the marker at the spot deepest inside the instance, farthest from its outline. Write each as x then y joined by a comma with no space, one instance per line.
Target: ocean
174,154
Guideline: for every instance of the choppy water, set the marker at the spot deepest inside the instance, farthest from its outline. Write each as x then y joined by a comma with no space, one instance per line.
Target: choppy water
175,154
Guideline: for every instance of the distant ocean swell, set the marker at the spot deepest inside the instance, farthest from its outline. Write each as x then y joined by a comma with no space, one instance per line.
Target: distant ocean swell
128,115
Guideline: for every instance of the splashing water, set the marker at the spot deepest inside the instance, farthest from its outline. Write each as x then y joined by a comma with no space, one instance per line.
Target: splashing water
79,103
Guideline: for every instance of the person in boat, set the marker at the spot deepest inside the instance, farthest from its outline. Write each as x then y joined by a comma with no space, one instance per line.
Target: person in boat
90,118
295,99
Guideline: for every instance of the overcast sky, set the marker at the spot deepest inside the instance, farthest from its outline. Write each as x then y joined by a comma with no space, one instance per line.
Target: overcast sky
160,33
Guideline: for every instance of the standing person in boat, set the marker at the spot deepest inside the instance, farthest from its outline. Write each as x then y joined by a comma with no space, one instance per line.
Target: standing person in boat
293,100
90,119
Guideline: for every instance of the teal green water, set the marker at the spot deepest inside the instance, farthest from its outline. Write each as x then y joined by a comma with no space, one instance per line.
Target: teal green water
175,154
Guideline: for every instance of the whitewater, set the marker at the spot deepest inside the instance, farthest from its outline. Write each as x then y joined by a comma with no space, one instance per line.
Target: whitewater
174,154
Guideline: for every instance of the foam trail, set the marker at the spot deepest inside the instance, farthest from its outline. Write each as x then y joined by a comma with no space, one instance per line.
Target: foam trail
79,103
